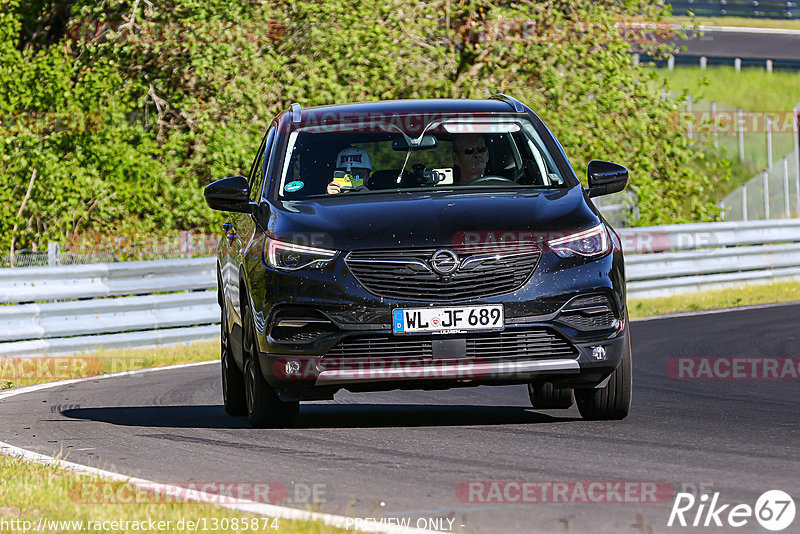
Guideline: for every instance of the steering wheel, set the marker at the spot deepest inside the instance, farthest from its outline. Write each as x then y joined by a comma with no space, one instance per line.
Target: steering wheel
491,179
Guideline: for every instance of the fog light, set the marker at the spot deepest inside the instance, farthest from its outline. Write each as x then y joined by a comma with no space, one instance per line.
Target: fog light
598,353
292,367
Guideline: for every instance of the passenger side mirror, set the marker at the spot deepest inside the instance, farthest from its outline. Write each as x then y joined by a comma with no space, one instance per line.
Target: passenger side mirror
606,178
229,194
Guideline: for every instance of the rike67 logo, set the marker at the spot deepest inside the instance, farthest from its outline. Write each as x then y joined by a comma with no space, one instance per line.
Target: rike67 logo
774,510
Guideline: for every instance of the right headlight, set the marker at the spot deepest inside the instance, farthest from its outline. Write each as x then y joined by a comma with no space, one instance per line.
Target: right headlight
291,257
587,243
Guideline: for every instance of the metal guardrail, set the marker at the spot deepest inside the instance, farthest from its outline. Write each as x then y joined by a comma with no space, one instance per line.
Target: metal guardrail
58,310
739,8
667,260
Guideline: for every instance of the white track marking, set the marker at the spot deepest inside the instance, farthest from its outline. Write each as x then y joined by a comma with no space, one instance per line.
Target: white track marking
241,505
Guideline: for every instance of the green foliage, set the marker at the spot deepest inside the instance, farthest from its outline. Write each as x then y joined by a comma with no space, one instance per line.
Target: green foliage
126,109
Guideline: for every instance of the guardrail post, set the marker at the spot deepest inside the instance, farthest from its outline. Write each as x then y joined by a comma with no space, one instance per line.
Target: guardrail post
53,254
769,142
769,65
786,210
737,64
741,135
744,202
766,194
703,62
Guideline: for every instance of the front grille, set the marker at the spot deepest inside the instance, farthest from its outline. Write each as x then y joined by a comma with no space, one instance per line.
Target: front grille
406,274
517,343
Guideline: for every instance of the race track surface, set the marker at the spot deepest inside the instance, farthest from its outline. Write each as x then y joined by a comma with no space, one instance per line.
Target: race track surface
742,43
404,454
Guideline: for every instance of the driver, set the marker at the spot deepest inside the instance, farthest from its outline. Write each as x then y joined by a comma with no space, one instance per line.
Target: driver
470,155
355,161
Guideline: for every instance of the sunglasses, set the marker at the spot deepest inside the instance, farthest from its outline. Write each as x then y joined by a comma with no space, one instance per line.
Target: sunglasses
471,150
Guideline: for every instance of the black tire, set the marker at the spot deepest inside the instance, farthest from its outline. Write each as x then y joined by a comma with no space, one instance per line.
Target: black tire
544,396
612,402
264,408
233,395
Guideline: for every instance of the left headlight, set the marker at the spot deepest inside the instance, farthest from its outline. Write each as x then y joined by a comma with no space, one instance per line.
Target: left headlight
588,243
291,257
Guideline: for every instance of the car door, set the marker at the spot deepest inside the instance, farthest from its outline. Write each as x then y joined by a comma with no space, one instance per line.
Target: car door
243,225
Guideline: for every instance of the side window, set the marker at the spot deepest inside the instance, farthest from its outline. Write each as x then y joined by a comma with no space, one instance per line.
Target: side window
256,178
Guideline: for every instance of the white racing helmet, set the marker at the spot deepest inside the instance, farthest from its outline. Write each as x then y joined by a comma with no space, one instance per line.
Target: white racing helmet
353,157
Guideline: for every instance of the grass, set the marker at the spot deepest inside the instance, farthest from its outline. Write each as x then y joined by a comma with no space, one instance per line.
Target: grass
740,22
32,491
24,371
752,90
717,299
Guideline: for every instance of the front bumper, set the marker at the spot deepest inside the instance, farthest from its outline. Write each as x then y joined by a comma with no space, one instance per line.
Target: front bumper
313,369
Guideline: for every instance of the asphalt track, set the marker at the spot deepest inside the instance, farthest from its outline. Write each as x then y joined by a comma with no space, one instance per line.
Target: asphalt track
404,454
743,43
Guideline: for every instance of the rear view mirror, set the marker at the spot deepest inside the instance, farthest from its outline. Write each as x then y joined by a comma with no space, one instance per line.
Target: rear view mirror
404,143
606,178
229,194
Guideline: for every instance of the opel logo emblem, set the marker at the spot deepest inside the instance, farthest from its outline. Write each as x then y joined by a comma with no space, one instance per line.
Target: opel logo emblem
444,261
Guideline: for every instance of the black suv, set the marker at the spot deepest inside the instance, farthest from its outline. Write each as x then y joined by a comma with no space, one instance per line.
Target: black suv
419,244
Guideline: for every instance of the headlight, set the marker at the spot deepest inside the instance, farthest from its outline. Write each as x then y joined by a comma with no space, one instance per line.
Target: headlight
291,257
588,243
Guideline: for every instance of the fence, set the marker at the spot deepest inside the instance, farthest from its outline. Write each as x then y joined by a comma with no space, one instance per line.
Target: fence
772,194
57,310
738,8
184,245
68,309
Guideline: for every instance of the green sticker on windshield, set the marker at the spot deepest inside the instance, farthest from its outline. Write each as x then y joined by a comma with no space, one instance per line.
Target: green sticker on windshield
291,187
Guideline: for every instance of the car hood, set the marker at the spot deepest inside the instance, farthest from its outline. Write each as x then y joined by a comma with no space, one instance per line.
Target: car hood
375,220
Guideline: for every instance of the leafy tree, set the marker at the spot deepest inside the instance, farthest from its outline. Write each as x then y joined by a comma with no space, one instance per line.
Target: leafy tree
126,108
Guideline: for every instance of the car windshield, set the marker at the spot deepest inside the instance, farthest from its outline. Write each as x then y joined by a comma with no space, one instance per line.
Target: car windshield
387,154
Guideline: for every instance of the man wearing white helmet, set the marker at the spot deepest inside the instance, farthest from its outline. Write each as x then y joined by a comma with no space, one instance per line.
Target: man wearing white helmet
353,167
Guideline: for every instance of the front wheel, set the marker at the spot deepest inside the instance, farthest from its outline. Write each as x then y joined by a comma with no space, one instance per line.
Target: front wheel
264,408
233,396
544,396
613,402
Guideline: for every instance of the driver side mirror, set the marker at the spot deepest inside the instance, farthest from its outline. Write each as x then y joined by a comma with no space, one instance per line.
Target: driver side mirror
605,178
229,194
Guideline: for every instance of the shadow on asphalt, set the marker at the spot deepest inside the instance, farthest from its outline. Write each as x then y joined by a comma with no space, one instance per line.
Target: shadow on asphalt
322,416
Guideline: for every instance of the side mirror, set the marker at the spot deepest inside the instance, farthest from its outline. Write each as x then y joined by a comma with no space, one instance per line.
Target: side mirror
606,178
229,194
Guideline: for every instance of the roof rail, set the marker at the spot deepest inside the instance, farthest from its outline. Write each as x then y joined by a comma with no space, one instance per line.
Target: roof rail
296,112
511,101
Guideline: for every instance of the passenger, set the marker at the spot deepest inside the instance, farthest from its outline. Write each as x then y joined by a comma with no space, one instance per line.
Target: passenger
355,162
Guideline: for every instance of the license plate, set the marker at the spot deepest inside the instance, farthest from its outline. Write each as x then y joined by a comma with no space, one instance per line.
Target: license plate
447,320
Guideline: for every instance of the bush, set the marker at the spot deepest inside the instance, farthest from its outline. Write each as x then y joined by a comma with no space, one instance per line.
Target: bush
126,109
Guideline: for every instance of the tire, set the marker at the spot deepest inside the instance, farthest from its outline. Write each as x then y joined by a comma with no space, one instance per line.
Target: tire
544,396
264,408
612,402
233,395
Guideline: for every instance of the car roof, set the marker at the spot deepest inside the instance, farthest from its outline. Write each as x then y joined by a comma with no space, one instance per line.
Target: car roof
414,107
